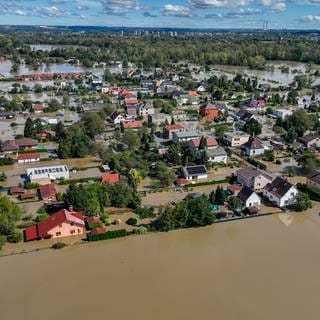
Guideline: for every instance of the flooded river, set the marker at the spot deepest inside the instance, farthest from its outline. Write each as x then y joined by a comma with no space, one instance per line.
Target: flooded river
262,268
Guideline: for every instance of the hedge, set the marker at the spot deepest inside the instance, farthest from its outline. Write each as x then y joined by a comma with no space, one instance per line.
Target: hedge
206,183
80,180
313,193
257,163
108,235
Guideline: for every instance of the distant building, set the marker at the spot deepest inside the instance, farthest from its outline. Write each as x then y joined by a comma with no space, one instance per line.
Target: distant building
282,113
217,155
48,193
249,198
184,136
11,146
169,130
310,140
110,178
313,179
131,124
159,118
253,148
236,138
28,157
194,173
44,175
208,111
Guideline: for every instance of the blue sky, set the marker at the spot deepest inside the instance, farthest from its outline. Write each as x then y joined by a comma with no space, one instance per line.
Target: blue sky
290,14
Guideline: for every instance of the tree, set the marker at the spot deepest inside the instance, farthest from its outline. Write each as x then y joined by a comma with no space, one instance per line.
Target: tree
309,162
164,174
212,197
302,202
220,195
234,204
134,177
253,127
203,143
60,131
131,139
220,131
28,128
93,124
10,213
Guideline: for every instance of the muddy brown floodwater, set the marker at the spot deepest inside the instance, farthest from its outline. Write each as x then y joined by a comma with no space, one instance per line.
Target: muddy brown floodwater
262,268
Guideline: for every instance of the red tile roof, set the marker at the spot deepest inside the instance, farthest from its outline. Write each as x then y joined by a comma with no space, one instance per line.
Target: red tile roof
16,190
27,156
131,124
211,142
93,219
28,195
42,228
47,190
171,127
38,107
110,178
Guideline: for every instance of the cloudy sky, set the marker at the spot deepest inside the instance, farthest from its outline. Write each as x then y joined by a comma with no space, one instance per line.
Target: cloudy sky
290,14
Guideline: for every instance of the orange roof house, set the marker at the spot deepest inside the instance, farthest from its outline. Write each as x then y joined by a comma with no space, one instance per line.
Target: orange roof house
111,178
48,192
208,111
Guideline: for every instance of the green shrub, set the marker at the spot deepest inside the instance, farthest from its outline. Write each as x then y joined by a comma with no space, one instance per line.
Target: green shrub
132,221
2,241
15,236
27,217
6,161
58,245
94,225
140,230
25,224
257,163
145,212
32,185
42,216
278,161
108,235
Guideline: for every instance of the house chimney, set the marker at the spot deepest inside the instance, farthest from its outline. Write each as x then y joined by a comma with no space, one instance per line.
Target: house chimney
71,208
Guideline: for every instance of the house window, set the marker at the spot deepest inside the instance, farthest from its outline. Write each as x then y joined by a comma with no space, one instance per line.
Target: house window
72,231
79,230
58,234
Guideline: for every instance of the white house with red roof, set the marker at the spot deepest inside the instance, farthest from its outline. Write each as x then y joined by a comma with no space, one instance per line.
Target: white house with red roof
253,148
63,223
28,157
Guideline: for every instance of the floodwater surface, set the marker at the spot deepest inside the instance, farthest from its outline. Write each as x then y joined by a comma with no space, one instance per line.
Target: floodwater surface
262,268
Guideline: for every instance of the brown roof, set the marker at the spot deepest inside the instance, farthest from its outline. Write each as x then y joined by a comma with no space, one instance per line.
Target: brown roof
173,127
278,187
16,190
208,106
47,190
254,143
308,137
314,176
251,172
27,156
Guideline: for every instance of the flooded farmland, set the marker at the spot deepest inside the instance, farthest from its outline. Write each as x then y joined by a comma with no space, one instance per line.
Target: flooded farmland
262,268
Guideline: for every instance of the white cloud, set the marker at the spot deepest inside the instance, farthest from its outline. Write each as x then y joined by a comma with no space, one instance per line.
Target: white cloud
176,10
311,18
50,11
274,5
119,7
206,4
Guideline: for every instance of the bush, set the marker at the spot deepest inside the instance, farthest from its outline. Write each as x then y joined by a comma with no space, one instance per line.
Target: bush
108,235
58,245
145,212
15,236
132,221
42,216
32,185
94,225
257,163
278,161
25,224
140,230
27,217
6,161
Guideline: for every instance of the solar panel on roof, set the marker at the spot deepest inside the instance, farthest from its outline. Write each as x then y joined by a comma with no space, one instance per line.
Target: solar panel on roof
197,170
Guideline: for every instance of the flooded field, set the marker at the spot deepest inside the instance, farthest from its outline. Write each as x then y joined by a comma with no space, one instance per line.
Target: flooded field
262,268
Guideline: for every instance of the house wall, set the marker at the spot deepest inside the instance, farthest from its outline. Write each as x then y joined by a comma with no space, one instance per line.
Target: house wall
218,159
253,152
65,230
288,199
313,184
190,178
314,143
253,201
209,114
29,160
236,140
260,182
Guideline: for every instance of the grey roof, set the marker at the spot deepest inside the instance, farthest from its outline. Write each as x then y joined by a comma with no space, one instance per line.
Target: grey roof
251,172
314,176
308,137
215,152
186,134
278,187
245,193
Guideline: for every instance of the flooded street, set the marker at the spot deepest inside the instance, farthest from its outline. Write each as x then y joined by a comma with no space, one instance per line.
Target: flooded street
262,268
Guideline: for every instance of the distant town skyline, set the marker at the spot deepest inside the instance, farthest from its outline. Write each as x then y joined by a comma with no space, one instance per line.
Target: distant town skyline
256,14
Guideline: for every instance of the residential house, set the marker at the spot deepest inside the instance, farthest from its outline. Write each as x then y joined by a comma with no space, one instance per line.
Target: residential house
257,104
249,198
282,113
169,130
12,146
16,191
28,157
48,193
208,111
131,112
310,140
130,100
27,195
145,109
114,91
211,143
244,116
37,108
234,189
179,115
117,117
280,192
131,124
192,173
313,179
253,178
236,138
159,118
110,178
253,148
184,136
217,155
63,223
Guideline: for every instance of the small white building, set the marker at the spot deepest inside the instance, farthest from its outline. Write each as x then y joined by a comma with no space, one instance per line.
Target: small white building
184,136
44,175
194,173
236,138
253,148
282,113
217,155
281,192
249,198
